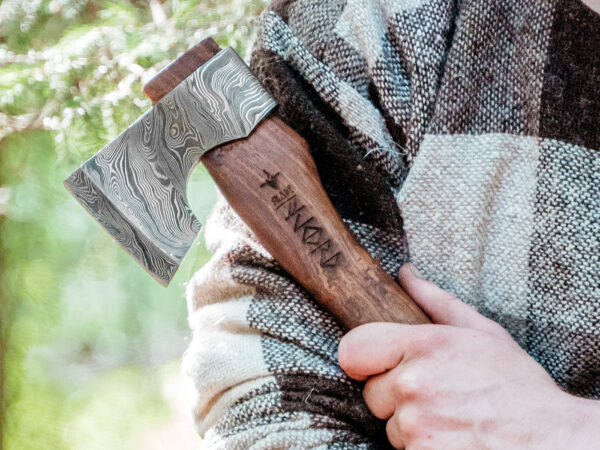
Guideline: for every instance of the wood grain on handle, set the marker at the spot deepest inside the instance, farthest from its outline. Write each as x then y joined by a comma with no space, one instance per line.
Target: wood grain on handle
271,181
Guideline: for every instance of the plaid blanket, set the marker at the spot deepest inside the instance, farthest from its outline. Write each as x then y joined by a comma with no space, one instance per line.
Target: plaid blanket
463,136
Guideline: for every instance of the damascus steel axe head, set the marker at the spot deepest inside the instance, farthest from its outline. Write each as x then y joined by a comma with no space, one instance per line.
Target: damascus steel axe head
135,187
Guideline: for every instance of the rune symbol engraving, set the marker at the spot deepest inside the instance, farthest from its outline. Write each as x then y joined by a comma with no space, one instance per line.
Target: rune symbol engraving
270,180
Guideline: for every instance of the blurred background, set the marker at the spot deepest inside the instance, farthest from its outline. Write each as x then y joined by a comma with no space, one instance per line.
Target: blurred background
90,344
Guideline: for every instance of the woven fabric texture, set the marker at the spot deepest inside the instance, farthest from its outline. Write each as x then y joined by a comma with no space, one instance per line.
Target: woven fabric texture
463,136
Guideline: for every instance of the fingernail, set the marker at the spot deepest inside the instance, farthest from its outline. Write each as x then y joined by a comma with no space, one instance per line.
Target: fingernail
415,271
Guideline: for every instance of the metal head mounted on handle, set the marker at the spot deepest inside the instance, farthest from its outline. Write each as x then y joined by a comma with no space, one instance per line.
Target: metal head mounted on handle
135,187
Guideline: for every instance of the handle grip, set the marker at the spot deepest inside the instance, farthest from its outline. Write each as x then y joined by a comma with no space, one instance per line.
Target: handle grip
271,181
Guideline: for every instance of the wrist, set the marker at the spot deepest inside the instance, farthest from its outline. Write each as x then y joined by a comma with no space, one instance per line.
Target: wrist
583,415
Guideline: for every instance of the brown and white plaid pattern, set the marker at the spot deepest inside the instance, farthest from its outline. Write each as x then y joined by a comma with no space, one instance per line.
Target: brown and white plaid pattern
466,132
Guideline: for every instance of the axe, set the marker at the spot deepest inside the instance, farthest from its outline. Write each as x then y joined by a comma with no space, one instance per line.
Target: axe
209,107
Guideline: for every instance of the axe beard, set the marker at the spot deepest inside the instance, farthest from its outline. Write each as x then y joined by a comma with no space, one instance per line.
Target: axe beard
135,187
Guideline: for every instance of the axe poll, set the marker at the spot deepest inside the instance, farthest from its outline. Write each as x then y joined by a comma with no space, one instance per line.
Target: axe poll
210,108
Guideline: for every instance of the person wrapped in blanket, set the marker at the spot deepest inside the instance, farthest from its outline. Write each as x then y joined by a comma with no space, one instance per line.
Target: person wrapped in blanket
462,137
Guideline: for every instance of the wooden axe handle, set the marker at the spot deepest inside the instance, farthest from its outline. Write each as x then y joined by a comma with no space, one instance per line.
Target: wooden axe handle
272,183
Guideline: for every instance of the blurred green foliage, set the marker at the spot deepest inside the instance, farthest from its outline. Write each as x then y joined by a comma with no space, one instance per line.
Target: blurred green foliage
86,334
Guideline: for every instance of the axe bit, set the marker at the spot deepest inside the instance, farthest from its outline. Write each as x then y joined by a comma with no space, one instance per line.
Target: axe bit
209,107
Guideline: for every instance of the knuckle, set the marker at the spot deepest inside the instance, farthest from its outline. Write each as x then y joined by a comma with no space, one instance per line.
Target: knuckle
408,386
394,435
433,340
409,424
378,413
373,401
499,330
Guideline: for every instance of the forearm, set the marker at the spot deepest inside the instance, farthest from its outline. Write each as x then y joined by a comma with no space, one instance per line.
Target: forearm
584,419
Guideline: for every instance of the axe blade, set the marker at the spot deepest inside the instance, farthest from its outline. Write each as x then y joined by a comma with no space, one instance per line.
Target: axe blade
135,187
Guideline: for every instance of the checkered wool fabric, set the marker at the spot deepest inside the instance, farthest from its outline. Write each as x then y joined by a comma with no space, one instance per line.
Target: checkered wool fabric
465,134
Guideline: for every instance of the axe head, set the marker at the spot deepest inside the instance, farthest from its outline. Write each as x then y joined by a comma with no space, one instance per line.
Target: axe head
135,187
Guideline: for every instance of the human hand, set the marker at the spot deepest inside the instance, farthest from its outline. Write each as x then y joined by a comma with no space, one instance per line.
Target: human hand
462,383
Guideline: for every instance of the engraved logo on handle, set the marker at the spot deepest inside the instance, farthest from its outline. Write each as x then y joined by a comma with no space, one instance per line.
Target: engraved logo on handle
271,180
296,213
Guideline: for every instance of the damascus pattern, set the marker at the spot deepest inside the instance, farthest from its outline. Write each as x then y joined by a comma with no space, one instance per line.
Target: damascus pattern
135,187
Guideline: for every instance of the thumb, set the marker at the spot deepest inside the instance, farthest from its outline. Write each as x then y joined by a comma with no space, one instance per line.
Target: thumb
442,307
